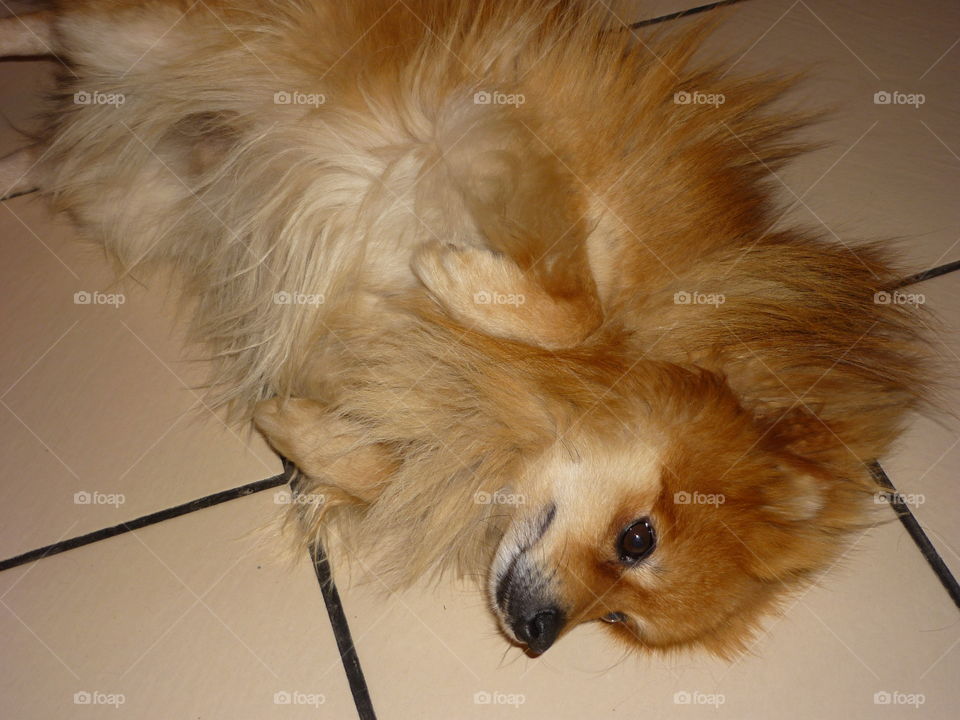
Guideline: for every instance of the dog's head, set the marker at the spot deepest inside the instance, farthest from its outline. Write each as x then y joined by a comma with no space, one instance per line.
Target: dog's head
672,510
677,526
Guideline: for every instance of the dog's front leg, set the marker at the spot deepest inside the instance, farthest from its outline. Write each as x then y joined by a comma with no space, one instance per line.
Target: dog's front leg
329,449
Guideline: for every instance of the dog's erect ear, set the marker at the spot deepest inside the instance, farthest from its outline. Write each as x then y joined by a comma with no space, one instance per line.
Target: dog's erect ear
782,530
798,496
804,515
325,446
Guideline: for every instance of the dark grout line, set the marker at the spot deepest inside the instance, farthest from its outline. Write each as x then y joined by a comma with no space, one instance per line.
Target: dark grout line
916,532
931,273
21,193
331,597
341,632
681,14
144,521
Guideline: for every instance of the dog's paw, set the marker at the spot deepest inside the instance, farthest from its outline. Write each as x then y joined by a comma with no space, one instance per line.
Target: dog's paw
470,282
449,271
324,445
304,431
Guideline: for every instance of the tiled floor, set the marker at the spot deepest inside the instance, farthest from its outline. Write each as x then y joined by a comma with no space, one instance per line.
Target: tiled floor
204,616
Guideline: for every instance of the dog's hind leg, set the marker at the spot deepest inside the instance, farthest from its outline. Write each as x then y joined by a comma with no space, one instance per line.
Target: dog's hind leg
25,35
16,172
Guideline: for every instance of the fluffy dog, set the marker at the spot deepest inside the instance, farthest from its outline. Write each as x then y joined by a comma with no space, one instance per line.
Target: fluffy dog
509,295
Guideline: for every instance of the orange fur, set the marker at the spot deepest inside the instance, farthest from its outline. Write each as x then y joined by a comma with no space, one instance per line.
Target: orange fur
501,375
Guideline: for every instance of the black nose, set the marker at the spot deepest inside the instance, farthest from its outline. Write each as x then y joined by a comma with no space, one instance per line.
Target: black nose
540,629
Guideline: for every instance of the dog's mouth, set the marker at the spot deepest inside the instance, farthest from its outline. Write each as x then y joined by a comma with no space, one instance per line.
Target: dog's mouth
522,596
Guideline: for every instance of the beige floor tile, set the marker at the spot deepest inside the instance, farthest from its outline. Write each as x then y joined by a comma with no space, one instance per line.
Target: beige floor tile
98,399
889,170
196,617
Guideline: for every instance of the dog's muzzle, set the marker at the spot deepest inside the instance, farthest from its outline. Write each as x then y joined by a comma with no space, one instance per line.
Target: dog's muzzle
525,600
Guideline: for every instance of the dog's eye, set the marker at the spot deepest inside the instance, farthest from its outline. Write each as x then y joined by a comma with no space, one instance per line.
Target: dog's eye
614,617
636,542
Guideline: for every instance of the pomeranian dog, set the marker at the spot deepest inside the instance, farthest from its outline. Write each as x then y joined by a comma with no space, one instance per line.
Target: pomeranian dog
506,282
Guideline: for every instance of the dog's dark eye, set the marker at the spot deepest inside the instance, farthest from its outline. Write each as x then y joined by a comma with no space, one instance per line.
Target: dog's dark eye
636,542
614,617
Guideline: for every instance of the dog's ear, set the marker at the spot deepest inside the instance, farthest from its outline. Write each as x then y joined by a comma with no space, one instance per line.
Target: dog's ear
782,530
325,446
798,496
820,490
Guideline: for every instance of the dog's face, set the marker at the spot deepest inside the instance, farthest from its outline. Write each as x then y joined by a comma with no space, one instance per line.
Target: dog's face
673,531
